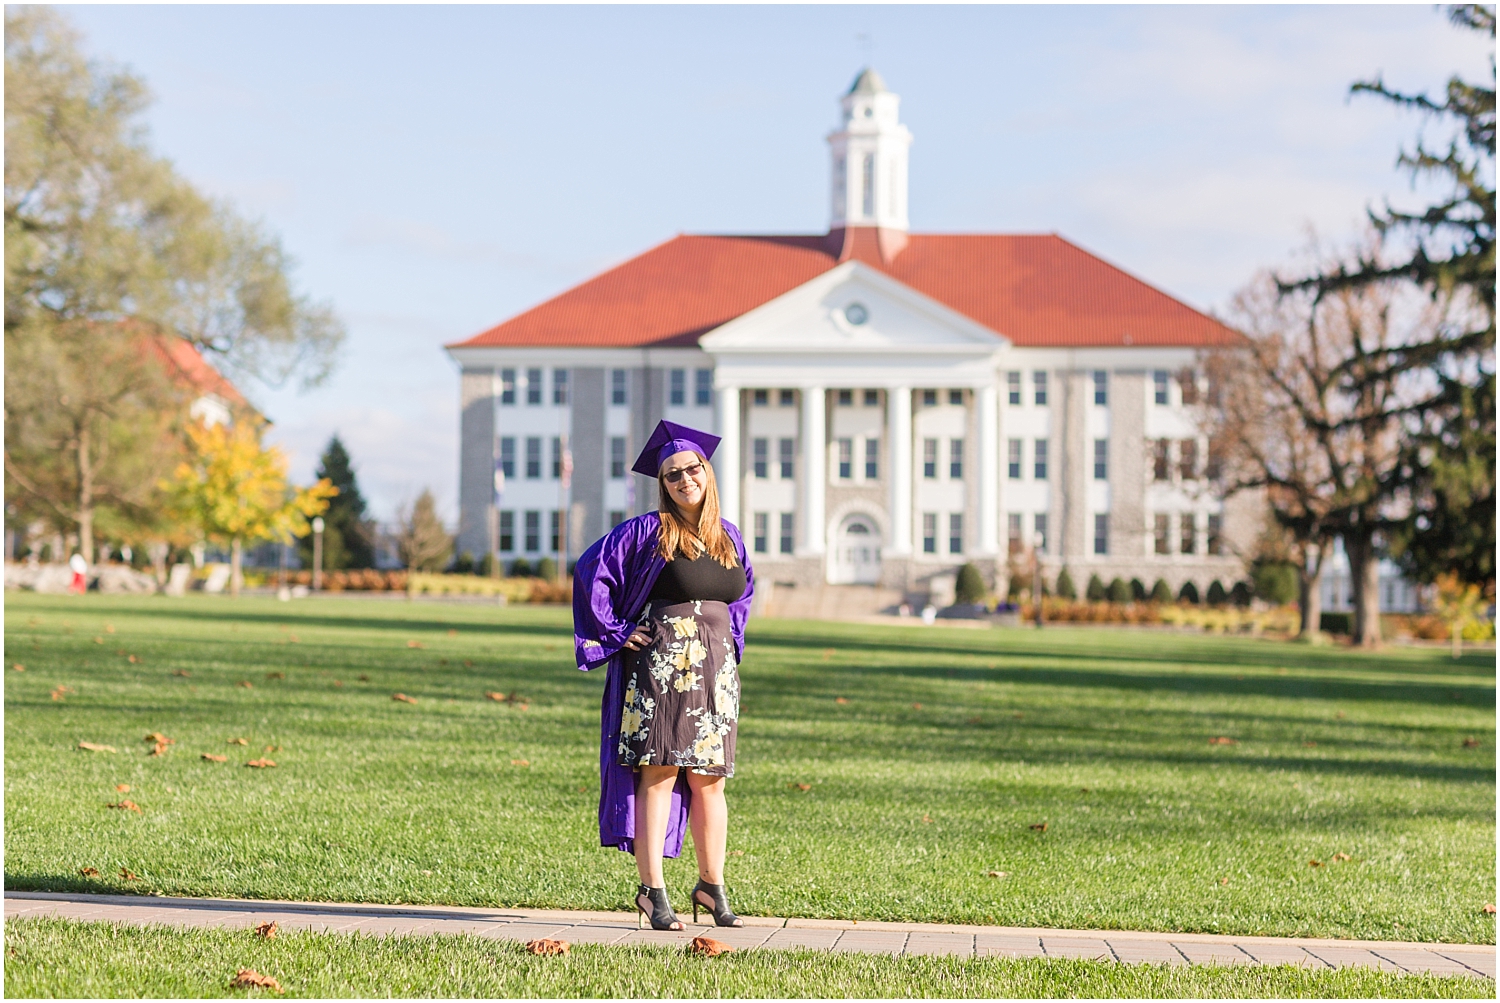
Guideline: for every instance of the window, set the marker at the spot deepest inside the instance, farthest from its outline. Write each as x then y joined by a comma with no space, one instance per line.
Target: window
1039,470
956,459
1215,463
559,386
872,459
929,398
1101,534
1188,380
508,456
1039,386
846,398
1161,461
1013,387
760,450
786,453
956,533
533,457
1189,541
556,458
1159,385
788,544
703,387
1039,526
1187,459
507,531
617,384
1101,387
955,397
929,532
846,459
788,398
1014,543
1013,459
1216,535
554,520
872,398
616,516
507,386
533,532
760,398
1101,459
929,459
617,458
533,386
867,200
677,387
762,531
1163,534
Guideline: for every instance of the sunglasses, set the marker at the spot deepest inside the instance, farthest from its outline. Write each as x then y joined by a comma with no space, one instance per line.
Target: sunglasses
692,470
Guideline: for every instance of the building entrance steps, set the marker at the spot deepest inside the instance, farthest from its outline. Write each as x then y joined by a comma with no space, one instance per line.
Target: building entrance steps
579,927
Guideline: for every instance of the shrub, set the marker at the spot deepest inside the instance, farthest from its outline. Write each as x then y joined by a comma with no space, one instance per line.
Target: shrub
546,569
1065,587
1240,594
1119,592
463,564
1095,591
1188,593
969,589
1217,596
1336,623
1017,586
1138,591
486,566
1161,591
520,568
1275,582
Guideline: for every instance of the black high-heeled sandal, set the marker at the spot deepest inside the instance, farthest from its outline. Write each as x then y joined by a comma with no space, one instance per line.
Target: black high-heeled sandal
651,903
711,897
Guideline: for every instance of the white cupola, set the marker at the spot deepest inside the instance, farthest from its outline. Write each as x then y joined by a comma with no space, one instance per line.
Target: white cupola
869,158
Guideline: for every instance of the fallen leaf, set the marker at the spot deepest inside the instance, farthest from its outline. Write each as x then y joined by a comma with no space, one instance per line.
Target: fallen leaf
126,806
1309,745
403,698
497,697
1489,910
159,739
1084,789
89,872
109,628
427,872
1017,715
1470,743
524,706
1223,881
119,651
184,673
295,639
238,741
249,978
260,764
545,945
98,640
245,683
708,947
129,875
1040,826
267,930
212,758
997,874
927,819
829,652
62,692
122,788
364,678
95,747
19,667
976,720
158,749
1315,863
736,853
840,699
916,706
415,644
1341,856
1221,740
520,762
1340,714
800,787
275,675
134,659
468,664
442,661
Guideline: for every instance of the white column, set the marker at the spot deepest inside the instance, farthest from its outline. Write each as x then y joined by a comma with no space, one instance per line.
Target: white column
898,433
814,469
727,459
989,470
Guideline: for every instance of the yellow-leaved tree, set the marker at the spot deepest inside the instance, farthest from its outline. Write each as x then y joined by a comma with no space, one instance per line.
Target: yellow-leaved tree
234,490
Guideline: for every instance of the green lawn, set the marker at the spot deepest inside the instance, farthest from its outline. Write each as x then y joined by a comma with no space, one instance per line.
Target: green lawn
952,745
47,957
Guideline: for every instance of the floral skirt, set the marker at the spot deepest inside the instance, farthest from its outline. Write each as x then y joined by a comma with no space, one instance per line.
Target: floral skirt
682,691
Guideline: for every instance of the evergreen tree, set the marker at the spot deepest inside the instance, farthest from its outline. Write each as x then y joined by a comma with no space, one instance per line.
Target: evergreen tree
1095,590
348,537
1118,591
1240,594
1161,592
1188,593
1065,587
424,542
1138,591
1217,595
969,589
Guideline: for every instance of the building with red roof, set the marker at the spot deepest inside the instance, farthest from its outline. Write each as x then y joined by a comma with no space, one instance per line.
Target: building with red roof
892,404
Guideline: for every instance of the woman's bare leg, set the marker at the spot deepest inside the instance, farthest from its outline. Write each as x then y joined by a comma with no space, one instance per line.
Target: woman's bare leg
653,804
709,817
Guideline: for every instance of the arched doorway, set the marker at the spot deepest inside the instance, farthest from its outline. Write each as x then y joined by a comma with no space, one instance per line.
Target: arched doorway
856,555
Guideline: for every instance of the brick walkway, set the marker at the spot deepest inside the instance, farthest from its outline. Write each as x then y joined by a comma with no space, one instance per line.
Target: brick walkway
1474,960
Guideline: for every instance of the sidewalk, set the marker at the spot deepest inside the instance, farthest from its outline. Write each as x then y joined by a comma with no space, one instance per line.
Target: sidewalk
1475,960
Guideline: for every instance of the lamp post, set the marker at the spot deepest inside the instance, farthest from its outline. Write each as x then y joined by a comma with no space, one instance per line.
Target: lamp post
1036,576
317,581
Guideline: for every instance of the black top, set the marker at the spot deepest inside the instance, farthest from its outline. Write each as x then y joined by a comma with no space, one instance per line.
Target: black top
684,580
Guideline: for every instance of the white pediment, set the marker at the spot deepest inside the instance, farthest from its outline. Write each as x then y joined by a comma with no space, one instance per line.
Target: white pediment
852,310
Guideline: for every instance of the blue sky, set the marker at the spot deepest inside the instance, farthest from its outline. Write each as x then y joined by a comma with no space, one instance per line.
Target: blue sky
435,170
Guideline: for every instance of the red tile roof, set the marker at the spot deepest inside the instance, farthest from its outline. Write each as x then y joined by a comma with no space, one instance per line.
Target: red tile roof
1037,290
188,368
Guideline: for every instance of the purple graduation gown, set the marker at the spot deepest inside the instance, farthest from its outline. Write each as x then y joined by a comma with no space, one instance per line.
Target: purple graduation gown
610,584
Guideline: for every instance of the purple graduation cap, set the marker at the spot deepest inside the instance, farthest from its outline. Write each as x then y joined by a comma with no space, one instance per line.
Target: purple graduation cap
668,438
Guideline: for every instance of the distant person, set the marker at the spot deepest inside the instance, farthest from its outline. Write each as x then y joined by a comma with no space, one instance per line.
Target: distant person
663,599
80,580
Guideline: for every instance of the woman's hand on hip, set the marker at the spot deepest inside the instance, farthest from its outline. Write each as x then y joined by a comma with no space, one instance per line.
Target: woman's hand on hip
637,640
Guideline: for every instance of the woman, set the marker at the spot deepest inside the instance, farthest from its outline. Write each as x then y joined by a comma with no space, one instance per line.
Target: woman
663,600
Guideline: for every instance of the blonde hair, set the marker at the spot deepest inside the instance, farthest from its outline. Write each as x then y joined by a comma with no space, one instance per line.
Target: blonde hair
677,534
